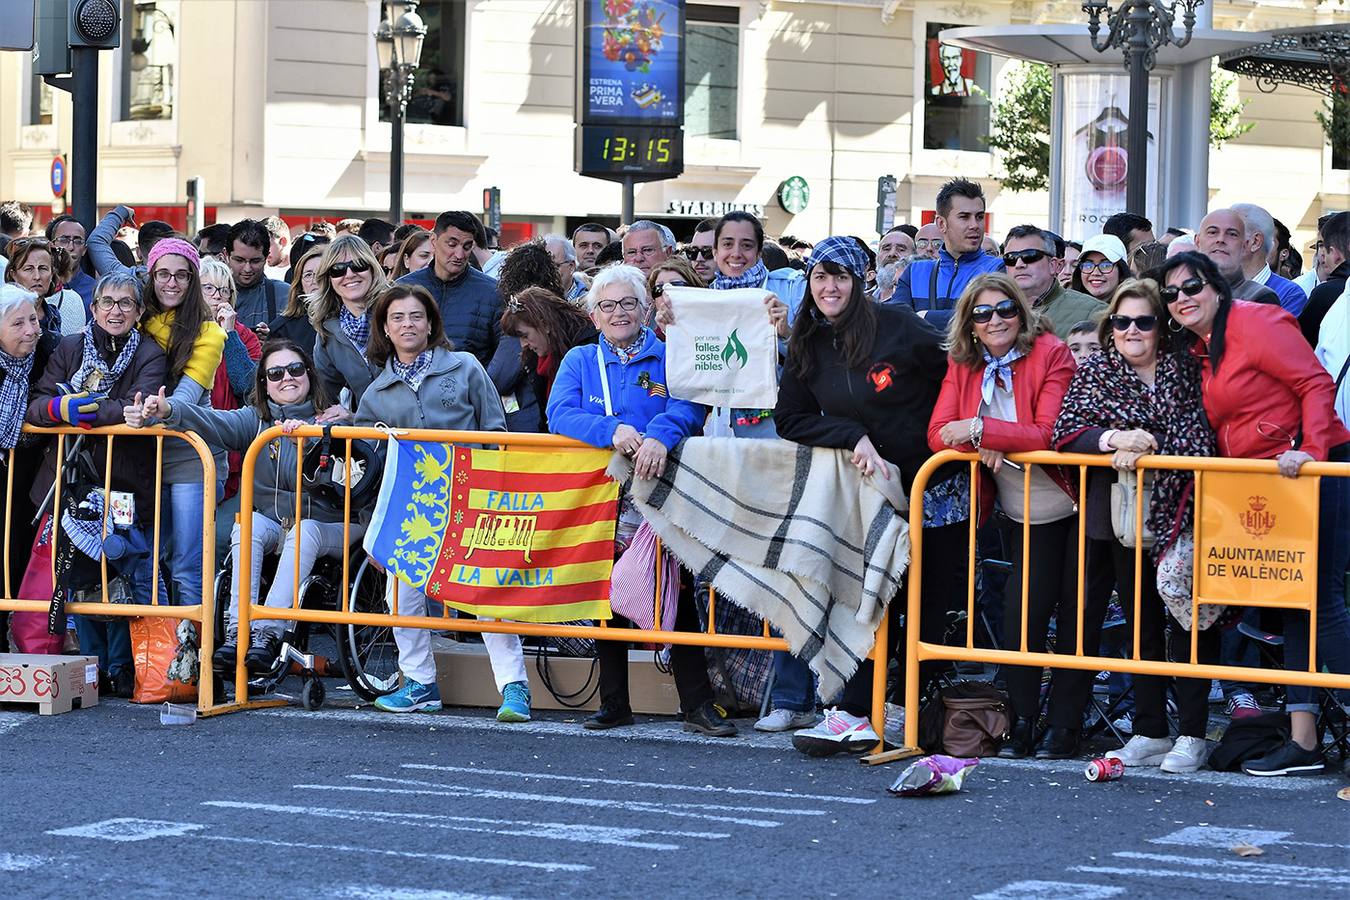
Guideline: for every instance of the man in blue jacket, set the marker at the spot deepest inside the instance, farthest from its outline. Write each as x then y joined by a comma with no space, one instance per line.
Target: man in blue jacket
932,287
468,299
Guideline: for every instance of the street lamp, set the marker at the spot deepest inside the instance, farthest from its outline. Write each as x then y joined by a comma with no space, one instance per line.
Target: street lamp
1140,28
398,49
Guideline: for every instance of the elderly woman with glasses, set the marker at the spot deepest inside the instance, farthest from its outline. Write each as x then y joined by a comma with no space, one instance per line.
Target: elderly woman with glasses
1006,378
88,381
1268,397
1137,396
36,264
613,394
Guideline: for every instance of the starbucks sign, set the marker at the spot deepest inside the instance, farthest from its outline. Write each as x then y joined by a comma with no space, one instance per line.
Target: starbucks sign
794,194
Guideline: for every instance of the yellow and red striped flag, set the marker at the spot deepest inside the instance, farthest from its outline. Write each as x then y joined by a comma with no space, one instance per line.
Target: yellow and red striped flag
526,534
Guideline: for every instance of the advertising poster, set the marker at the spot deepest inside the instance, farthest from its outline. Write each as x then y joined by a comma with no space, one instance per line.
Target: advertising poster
634,72
1096,161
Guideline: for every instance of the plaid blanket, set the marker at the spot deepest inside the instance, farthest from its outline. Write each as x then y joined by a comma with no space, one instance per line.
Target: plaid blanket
793,534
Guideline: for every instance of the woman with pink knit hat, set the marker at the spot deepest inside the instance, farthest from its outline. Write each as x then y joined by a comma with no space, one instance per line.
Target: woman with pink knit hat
178,319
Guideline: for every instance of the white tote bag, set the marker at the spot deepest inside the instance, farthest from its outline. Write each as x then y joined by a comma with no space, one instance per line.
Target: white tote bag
721,350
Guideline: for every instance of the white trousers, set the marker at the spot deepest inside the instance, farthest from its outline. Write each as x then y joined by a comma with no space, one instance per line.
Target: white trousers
414,644
316,539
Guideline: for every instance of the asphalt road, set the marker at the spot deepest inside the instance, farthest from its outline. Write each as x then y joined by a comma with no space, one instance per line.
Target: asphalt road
350,802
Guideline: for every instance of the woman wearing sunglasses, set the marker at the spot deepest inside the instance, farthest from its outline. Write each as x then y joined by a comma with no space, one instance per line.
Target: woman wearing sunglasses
350,278
674,271
863,377
286,393
1006,378
1268,397
423,383
1100,268
1133,398
178,318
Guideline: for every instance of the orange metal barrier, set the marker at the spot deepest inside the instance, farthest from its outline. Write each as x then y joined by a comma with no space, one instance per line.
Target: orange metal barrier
918,651
344,615
203,613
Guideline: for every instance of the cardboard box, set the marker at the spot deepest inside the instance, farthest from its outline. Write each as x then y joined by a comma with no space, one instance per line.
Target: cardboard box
464,676
56,684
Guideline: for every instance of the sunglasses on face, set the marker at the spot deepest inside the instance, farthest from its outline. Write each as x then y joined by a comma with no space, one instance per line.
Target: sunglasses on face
1030,256
1190,287
1143,323
1088,267
1006,309
337,270
661,288
295,370
693,253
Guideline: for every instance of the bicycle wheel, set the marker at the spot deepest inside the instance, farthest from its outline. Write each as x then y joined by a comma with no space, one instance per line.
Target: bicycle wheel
367,653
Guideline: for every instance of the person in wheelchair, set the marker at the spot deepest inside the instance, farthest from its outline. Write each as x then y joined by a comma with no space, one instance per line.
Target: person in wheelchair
286,392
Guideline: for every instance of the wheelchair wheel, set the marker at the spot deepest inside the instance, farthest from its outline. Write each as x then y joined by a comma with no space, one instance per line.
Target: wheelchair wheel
367,653
312,694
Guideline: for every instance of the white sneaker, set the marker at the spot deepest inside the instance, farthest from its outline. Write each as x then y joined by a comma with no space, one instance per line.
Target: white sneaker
1142,751
1215,692
1187,755
838,731
785,720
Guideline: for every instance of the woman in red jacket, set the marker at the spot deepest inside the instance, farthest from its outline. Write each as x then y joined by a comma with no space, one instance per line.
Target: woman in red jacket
1268,398
1006,379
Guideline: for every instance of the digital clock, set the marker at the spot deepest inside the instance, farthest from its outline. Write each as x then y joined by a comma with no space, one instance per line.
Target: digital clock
643,153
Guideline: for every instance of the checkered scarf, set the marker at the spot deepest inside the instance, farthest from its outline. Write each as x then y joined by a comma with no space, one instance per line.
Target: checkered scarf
13,396
412,373
629,353
93,362
752,277
356,328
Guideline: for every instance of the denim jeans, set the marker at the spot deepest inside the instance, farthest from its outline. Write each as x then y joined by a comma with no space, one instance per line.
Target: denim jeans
1333,622
181,531
794,684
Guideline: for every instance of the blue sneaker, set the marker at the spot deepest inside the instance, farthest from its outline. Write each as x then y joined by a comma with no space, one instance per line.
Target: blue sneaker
412,697
515,703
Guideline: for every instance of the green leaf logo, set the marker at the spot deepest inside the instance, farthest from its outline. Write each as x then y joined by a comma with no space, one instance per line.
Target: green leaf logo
735,350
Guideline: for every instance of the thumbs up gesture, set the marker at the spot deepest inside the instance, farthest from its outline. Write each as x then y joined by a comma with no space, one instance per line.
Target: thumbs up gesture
156,407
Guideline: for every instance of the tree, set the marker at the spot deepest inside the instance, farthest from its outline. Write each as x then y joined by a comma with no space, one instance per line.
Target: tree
1019,130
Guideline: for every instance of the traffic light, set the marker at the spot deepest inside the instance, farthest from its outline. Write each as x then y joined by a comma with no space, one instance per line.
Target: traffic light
196,204
886,186
94,23
492,207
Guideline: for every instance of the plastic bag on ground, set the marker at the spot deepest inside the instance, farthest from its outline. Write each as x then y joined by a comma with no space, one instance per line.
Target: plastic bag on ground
933,775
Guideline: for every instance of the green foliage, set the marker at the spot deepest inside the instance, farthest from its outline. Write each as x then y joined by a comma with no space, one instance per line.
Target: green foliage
1019,130
1334,117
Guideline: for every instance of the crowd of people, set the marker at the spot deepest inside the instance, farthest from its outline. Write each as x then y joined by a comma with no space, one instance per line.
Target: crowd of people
1204,341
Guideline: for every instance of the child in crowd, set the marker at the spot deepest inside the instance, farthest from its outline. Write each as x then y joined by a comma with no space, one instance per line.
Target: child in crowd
1083,341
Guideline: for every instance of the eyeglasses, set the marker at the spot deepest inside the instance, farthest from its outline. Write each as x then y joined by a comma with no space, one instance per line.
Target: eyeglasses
125,304
627,304
1190,287
928,243
1006,309
661,288
295,370
1088,267
164,276
695,253
338,269
69,240
1030,256
215,290
1143,323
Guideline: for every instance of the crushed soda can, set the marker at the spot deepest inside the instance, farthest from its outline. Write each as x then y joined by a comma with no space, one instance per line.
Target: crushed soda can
1108,768
933,775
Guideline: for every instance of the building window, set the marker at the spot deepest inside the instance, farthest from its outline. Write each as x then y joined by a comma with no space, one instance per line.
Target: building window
40,101
438,81
955,95
149,60
712,51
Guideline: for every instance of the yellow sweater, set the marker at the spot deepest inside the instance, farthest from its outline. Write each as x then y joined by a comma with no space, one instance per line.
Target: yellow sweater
206,351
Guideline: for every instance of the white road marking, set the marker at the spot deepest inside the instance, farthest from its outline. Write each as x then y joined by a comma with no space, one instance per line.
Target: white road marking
19,862
128,830
602,779
9,721
558,831
1314,873
1050,890
661,729
1073,769
1224,838
380,892
498,794
656,809
1235,870
1237,877
402,854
